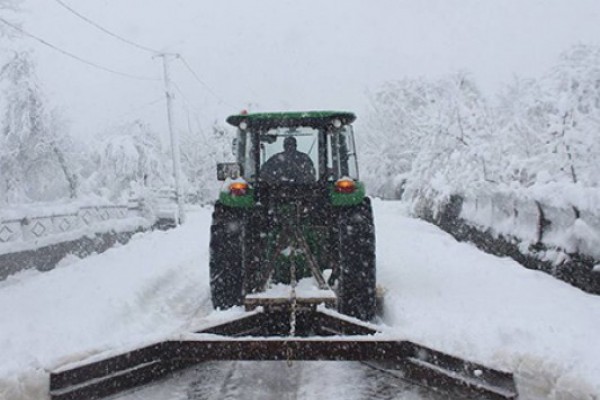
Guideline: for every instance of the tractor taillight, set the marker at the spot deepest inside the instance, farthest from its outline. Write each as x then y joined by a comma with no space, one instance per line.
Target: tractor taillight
238,188
345,185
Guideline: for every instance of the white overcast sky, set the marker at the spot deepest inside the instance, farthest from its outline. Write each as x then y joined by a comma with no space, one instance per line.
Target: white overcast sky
284,55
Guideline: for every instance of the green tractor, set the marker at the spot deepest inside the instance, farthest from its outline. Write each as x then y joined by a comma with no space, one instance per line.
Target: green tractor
292,211
293,207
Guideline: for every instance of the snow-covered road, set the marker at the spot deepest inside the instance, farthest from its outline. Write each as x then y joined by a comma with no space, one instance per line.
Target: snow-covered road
276,380
447,295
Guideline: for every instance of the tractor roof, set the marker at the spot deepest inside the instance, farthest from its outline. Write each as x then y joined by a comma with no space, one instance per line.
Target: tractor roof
290,119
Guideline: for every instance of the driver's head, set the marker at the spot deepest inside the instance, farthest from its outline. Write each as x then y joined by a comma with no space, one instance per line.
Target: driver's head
289,144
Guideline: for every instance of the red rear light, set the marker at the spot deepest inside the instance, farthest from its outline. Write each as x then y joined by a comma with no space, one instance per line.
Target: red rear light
238,188
345,185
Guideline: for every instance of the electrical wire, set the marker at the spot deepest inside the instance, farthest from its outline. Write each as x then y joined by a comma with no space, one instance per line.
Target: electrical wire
145,48
100,27
189,108
176,86
187,104
210,90
69,54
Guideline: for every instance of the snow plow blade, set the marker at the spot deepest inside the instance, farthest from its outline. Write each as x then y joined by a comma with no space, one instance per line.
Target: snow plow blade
319,338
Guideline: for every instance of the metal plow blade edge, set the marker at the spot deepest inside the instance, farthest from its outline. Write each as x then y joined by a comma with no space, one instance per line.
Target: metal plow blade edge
261,336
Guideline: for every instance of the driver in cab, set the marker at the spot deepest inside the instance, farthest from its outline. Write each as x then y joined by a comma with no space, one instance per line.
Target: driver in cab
290,165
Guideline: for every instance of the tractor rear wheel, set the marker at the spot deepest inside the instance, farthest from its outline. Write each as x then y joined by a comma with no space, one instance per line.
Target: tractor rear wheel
357,281
226,257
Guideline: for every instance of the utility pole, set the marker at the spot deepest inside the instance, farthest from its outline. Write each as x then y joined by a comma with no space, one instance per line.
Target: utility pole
175,153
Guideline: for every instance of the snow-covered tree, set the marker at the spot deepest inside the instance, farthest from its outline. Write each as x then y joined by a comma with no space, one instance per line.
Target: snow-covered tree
128,157
540,139
457,154
398,120
574,121
551,126
200,152
435,135
33,164
522,121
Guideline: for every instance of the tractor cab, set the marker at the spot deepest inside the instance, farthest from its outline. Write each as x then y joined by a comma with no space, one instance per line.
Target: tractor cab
297,153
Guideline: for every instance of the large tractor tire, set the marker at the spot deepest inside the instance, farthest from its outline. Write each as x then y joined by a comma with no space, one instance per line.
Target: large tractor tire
255,236
226,257
356,288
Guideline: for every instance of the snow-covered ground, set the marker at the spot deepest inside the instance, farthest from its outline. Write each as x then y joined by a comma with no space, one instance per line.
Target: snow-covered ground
447,295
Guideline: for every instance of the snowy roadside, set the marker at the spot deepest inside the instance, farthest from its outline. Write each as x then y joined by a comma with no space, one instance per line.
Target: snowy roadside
455,298
440,293
140,292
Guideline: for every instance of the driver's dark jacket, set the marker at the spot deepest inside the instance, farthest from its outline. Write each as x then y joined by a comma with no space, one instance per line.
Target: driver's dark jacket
288,166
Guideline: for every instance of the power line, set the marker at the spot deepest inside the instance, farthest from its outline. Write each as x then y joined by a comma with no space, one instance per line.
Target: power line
187,104
141,47
100,27
187,101
195,75
69,54
176,86
190,109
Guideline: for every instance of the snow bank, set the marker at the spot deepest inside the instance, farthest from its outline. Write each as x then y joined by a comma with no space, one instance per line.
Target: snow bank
143,291
565,195
455,298
571,212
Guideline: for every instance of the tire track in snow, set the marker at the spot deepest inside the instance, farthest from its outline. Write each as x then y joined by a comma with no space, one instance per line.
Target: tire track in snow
246,379
275,380
301,381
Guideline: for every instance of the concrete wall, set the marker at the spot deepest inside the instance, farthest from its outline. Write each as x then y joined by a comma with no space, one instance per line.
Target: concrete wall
533,234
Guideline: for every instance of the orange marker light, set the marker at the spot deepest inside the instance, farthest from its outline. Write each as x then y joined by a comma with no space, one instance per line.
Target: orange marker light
345,186
238,188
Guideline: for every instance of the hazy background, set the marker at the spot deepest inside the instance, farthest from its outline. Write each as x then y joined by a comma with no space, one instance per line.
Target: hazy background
280,55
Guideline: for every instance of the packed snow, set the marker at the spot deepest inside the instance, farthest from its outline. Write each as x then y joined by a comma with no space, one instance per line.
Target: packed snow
444,294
